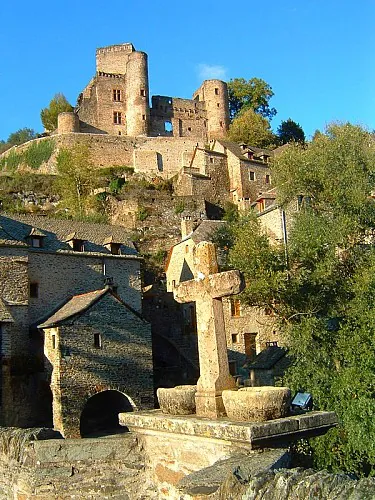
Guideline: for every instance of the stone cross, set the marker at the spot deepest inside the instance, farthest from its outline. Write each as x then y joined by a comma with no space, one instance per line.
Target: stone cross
207,291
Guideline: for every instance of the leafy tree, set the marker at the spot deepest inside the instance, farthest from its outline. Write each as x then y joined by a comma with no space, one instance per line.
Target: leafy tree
323,293
4,146
290,131
21,136
252,129
250,94
58,104
77,179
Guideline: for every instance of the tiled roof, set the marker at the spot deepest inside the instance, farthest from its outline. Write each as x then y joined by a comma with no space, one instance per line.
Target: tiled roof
15,229
75,305
236,149
267,358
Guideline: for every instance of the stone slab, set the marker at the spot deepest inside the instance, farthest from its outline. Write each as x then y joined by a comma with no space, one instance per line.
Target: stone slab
251,433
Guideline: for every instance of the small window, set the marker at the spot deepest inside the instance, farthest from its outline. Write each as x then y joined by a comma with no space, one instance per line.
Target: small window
211,160
115,248
235,338
189,129
235,307
119,132
117,95
143,93
267,179
216,91
97,340
78,245
252,175
218,105
143,117
34,290
117,117
36,242
221,124
53,341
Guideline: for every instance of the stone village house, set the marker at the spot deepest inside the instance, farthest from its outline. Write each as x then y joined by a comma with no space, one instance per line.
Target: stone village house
80,284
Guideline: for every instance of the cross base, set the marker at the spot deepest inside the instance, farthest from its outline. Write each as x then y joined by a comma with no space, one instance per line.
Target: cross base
209,404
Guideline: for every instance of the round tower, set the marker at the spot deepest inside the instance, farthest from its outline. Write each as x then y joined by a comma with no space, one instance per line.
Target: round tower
137,94
215,95
67,122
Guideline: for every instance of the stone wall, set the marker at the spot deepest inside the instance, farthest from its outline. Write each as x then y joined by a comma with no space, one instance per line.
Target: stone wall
61,276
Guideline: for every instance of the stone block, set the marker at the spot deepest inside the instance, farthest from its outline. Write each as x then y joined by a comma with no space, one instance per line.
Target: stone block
257,404
179,400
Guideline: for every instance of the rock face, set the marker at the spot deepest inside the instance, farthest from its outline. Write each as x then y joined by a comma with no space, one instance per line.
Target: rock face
257,404
179,400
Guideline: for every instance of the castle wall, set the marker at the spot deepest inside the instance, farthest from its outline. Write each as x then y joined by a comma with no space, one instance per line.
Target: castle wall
61,276
81,370
185,117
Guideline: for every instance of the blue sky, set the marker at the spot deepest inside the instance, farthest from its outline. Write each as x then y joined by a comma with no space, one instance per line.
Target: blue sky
317,55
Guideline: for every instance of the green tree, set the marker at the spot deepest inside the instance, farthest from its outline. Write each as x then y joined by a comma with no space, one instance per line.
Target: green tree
323,293
4,146
58,104
21,136
250,94
77,179
290,131
252,129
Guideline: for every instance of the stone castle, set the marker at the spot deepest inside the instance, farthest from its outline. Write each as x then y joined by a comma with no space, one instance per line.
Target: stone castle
116,102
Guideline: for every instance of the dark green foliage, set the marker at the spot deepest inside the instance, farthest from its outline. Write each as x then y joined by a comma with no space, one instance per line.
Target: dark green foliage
290,131
58,104
250,94
20,136
323,293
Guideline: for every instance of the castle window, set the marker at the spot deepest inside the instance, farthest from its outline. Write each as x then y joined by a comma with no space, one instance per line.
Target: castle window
53,341
143,93
267,179
235,307
143,117
235,338
211,160
119,132
216,91
221,124
117,117
34,290
97,340
218,105
189,129
252,175
117,95
168,127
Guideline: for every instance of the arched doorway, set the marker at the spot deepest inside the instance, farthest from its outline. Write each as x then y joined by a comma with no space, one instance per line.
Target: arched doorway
100,414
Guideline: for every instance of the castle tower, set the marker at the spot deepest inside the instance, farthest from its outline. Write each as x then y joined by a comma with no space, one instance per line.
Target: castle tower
67,122
113,59
214,93
137,94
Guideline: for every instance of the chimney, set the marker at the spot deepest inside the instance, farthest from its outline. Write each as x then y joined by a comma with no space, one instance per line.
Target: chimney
186,226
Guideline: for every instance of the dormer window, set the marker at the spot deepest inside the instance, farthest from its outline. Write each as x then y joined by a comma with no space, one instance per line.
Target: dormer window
36,241
78,245
35,238
250,155
115,248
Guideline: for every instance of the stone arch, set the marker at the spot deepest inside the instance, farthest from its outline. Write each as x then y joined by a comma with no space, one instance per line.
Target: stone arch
99,416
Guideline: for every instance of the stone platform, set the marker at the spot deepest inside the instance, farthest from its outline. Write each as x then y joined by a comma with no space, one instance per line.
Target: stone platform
249,434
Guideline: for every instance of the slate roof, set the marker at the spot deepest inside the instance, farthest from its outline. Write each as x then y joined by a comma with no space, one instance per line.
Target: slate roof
76,305
5,315
236,149
205,230
267,358
15,230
